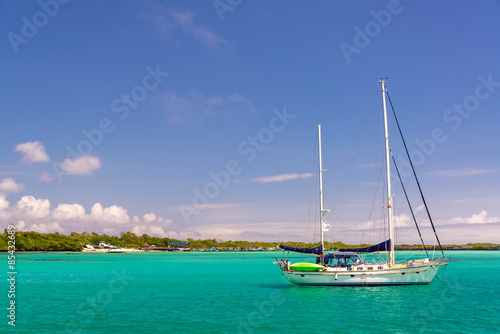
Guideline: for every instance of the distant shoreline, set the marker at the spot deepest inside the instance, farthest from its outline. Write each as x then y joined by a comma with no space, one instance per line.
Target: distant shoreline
140,251
130,242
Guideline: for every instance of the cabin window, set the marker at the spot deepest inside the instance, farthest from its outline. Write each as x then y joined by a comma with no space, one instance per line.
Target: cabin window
360,268
370,268
380,267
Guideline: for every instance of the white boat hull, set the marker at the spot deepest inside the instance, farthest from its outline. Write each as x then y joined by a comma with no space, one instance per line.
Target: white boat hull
400,276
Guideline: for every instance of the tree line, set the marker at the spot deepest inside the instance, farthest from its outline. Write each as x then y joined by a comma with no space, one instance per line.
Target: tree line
35,241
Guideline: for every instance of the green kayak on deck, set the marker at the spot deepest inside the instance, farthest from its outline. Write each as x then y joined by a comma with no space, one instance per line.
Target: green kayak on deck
306,267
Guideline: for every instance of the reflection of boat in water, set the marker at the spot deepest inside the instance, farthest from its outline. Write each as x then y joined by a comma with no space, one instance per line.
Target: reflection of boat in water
351,267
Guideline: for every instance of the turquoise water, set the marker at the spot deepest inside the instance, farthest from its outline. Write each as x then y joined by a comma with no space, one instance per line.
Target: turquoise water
237,293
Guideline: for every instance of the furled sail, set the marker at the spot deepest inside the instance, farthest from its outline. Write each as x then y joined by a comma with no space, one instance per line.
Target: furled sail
381,247
315,250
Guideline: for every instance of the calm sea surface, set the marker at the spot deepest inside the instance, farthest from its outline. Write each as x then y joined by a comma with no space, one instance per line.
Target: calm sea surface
239,292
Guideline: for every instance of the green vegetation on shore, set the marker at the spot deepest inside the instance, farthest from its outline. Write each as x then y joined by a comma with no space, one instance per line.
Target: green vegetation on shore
34,241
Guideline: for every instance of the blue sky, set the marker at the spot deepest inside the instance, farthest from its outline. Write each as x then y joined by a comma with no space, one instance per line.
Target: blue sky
198,119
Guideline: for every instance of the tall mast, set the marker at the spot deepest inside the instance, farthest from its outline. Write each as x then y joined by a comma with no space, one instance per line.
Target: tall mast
321,227
388,175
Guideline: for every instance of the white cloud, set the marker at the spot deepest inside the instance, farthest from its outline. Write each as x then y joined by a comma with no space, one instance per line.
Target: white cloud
158,231
461,172
109,230
149,217
282,177
403,220
139,230
33,207
262,231
216,206
374,165
33,151
419,208
20,225
4,204
112,214
166,222
167,22
5,212
152,230
479,218
237,100
85,164
194,107
204,35
46,228
12,173
10,185
369,224
47,177
465,233
400,221
68,212
38,213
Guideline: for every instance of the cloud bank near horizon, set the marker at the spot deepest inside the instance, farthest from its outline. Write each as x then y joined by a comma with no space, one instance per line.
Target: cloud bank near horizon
37,214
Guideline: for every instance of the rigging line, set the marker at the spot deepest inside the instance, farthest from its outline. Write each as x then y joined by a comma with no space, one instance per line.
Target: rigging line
409,205
439,271
371,216
346,180
399,218
414,174
400,228
374,228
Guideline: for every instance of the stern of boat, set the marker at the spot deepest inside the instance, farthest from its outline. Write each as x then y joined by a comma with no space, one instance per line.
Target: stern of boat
283,264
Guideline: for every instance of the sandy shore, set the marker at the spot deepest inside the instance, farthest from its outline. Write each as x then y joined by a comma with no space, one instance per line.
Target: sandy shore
115,250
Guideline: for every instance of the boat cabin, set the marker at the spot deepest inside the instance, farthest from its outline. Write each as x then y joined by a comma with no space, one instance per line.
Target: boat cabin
350,261
341,259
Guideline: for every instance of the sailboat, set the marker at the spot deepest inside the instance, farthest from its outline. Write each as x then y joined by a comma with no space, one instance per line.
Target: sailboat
347,267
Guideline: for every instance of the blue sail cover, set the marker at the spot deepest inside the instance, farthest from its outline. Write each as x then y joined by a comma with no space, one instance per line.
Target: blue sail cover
316,250
381,247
